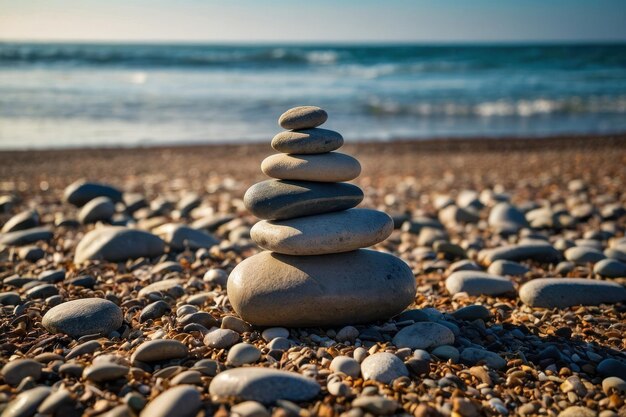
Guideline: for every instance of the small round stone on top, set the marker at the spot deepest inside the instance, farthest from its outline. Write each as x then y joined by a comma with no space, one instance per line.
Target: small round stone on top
303,117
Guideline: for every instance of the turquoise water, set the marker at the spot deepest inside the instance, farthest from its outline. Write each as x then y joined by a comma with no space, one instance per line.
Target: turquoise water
65,95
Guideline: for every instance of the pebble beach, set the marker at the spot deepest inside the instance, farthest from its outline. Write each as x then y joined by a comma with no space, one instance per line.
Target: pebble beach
517,248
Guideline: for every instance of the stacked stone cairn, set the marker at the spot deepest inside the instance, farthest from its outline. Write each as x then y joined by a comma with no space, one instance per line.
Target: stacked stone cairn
315,272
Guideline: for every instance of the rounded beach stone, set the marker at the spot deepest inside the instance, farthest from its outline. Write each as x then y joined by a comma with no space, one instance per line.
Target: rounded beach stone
282,199
117,244
98,209
243,353
506,218
180,401
159,350
423,335
582,255
21,221
221,338
383,367
328,167
502,267
540,252
249,409
473,356
26,403
472,312
83,317
566,292
612,367
346,365
336,232
25,237
263,385
179,237
476,283
18,369
81,192
610,268
102,372
269,289
307,141
302,117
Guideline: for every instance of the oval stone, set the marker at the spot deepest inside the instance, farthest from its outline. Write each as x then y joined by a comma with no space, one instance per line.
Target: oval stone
328,167
383,367
180,401
540,252
270,289
336,232
117,244
83,317
98,209
302,117
423,335
80,192
308,141
21,221
263,385
25,237
159,350
476,283
567,292
26,403
282,199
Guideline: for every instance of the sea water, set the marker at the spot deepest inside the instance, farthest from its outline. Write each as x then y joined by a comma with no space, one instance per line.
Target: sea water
85,95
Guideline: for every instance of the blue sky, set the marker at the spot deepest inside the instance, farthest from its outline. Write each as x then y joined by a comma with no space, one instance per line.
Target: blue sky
314,20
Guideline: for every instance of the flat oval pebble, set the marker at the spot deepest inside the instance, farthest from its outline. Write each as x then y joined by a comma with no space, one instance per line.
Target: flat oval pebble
302,117
242,354
336,232
179,237
103,372
26,403
476,283
18,369
81,192
473,356
221,338
610,268
28,236
98,209
383,367
582,255
180,401
539,252
566,292
362,286
346,365
423,335
307,141
159,350
502,267
21,221
263,385
117,244
328,167
281,199
83,317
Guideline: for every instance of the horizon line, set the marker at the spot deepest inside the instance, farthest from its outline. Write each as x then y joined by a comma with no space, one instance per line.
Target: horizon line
264,42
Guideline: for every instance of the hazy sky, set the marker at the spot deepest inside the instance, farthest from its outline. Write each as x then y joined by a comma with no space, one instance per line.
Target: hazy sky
313,20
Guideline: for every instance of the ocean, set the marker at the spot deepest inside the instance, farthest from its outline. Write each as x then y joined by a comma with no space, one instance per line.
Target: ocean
92,95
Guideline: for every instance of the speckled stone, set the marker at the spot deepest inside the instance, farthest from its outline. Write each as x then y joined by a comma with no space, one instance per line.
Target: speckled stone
478,283
83,317
308,141
566,292
302,117
353,287
281,199
336,232
263,385
383,367
328,167
117,244
180,401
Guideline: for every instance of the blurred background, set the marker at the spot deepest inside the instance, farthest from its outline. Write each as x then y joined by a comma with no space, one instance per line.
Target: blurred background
114,73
